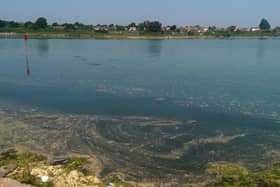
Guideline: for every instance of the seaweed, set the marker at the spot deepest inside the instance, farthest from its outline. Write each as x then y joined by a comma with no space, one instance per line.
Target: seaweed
233,175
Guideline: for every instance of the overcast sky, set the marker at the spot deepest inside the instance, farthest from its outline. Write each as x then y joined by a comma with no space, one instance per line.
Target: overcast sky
180,12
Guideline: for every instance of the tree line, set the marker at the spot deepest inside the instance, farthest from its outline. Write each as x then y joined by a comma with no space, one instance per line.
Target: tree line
146,26
42,23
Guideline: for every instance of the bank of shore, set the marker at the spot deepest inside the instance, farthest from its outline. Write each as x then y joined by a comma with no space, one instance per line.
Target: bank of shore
127,36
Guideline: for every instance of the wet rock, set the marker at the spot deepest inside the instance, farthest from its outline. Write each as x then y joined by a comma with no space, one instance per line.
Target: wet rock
59,162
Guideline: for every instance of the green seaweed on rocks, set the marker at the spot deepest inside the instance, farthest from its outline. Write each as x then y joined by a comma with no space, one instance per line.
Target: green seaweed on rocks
24,162
75,163
11,156
233,175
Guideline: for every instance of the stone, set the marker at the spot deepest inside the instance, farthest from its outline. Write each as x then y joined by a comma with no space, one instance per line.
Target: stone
5,182
5,170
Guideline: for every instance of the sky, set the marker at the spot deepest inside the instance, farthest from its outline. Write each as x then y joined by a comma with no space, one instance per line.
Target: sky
180,12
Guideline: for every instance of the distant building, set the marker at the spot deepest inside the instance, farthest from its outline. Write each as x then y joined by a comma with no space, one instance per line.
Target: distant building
240,29
101,29
220,29
183,29
112,28
255,29
203,29
166,28
195,28
132,29
58,27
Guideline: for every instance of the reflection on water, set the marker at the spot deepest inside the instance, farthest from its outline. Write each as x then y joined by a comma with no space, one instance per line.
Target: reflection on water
230,48
42,46
27,66
26,58
2,45
154,48
261,50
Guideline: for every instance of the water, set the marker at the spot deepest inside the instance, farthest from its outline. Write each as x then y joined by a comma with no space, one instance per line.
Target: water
223,94
140,77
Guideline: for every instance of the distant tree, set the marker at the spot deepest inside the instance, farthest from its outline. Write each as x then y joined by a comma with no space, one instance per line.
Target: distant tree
212,28
55,24
173,28
41,23
154,26
132,25
231,28
28,24
264,25
120,28
13,24
191,33
78,25
141,26
69,26
3,23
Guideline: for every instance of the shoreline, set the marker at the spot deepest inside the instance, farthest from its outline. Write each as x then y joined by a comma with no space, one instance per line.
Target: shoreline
14,35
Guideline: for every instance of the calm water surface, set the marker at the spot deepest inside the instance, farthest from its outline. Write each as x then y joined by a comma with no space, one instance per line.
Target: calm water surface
142,77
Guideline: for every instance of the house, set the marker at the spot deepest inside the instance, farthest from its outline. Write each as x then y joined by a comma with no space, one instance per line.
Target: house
101,29
255,29
166,28
112,28
132,29
240,29
183,29
58,27
203,29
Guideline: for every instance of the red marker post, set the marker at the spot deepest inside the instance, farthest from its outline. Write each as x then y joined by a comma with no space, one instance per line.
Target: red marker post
25,36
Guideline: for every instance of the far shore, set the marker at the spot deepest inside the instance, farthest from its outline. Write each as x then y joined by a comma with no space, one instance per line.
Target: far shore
127,36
